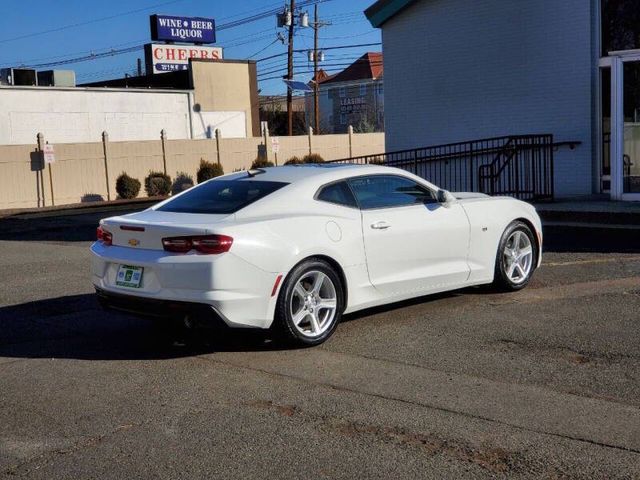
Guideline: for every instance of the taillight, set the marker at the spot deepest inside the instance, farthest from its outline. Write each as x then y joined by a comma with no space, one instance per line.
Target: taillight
104,236
208,244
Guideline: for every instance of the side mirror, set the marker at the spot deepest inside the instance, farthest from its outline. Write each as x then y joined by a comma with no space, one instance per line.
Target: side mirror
442,196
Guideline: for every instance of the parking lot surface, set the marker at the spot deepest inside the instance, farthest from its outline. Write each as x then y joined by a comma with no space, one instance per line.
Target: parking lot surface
472,384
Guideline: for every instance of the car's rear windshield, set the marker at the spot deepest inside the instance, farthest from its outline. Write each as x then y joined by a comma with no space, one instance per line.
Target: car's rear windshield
221,196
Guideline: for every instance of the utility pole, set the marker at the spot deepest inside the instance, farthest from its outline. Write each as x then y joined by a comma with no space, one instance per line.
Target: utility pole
316,83
316,25
292,9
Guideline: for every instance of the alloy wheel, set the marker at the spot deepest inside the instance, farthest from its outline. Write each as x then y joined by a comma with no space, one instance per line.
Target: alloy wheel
517,257
313,304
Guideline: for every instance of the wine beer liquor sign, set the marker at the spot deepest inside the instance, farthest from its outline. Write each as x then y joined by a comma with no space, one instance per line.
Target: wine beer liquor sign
165,28
170,57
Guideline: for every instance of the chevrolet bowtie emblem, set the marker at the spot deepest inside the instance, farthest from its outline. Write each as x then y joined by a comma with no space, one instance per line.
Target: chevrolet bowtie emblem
134,243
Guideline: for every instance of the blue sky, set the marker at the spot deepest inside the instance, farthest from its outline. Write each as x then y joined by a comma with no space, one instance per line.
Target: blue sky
29,18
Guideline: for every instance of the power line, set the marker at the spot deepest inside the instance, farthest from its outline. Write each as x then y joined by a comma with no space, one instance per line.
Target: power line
327,48
304,72
263,49
375,64
84,52
88,22
114,52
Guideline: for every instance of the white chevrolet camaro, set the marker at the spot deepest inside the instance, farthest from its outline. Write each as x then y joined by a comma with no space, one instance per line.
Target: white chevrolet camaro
295,247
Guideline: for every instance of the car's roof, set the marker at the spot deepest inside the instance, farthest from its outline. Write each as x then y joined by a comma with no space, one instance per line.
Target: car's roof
314,172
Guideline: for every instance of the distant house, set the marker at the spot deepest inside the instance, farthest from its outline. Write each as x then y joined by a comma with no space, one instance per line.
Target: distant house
354,96
460,70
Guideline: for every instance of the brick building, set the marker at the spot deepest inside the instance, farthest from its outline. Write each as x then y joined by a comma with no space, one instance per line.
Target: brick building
354,96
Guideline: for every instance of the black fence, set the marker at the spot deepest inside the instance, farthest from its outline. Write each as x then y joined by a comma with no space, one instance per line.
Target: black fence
519,165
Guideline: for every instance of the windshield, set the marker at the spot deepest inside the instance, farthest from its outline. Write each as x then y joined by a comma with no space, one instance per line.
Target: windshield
221,196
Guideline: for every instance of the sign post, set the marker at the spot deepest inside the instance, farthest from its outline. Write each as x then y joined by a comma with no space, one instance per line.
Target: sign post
49,158
275,148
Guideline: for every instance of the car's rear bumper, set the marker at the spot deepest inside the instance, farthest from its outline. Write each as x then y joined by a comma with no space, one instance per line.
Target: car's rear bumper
238,292
165,309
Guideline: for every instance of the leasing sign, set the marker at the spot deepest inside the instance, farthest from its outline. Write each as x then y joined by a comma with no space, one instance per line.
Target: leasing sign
166,28
162,58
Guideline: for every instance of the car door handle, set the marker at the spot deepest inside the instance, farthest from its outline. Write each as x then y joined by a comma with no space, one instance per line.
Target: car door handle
380,225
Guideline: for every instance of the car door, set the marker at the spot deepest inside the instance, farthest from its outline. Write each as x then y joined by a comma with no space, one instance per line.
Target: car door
413,243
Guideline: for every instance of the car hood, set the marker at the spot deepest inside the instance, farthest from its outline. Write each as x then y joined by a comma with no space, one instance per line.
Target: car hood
465,195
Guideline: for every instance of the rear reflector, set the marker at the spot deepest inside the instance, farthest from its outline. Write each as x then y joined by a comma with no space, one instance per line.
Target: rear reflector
104,236
207,244
276,285
131,228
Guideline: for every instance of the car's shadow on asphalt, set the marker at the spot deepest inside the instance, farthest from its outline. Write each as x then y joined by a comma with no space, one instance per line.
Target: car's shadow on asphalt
77,327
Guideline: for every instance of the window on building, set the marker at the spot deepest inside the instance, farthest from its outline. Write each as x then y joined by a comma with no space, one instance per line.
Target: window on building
343,119
363,89
620,25
343,92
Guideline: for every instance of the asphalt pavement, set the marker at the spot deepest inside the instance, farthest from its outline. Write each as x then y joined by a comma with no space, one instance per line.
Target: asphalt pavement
543,383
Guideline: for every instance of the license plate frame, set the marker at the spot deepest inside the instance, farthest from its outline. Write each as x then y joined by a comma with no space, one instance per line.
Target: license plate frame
129,276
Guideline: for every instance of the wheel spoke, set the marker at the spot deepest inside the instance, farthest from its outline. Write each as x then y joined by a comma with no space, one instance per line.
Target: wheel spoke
315,324
511,270
520,269
300,316
517,236
327,303
318,282
300,291
525,251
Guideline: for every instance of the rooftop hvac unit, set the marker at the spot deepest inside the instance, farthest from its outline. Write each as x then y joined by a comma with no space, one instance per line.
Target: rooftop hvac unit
18,76
57,78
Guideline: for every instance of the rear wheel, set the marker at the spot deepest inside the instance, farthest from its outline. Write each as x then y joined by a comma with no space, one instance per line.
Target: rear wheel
310,303
516,258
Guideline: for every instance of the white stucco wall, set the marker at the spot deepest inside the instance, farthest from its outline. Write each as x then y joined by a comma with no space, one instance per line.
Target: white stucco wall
460,70
81,115
77,115
230,124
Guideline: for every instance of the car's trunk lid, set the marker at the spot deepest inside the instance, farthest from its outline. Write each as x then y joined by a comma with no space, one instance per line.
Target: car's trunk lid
145,230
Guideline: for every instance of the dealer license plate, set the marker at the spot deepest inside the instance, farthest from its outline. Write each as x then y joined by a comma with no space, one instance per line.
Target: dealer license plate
129,276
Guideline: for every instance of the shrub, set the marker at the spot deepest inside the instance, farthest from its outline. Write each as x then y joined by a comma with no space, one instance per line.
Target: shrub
312,158
183,182
208,170
127,187
293,161
261,163
157,184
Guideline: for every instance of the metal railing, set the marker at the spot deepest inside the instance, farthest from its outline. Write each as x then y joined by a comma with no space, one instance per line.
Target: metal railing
518,165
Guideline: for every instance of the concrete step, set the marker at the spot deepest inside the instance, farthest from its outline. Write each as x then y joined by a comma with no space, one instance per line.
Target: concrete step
567,217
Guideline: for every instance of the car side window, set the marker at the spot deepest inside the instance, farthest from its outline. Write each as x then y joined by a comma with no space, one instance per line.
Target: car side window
385,191
338,193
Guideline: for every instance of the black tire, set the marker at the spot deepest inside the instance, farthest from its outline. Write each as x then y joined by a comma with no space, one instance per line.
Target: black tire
502,281
283,321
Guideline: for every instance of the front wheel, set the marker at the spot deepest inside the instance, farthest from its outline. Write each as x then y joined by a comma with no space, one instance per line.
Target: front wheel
516,258
310,304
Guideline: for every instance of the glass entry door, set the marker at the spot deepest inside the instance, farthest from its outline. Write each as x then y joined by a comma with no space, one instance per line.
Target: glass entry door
620,125
631,126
